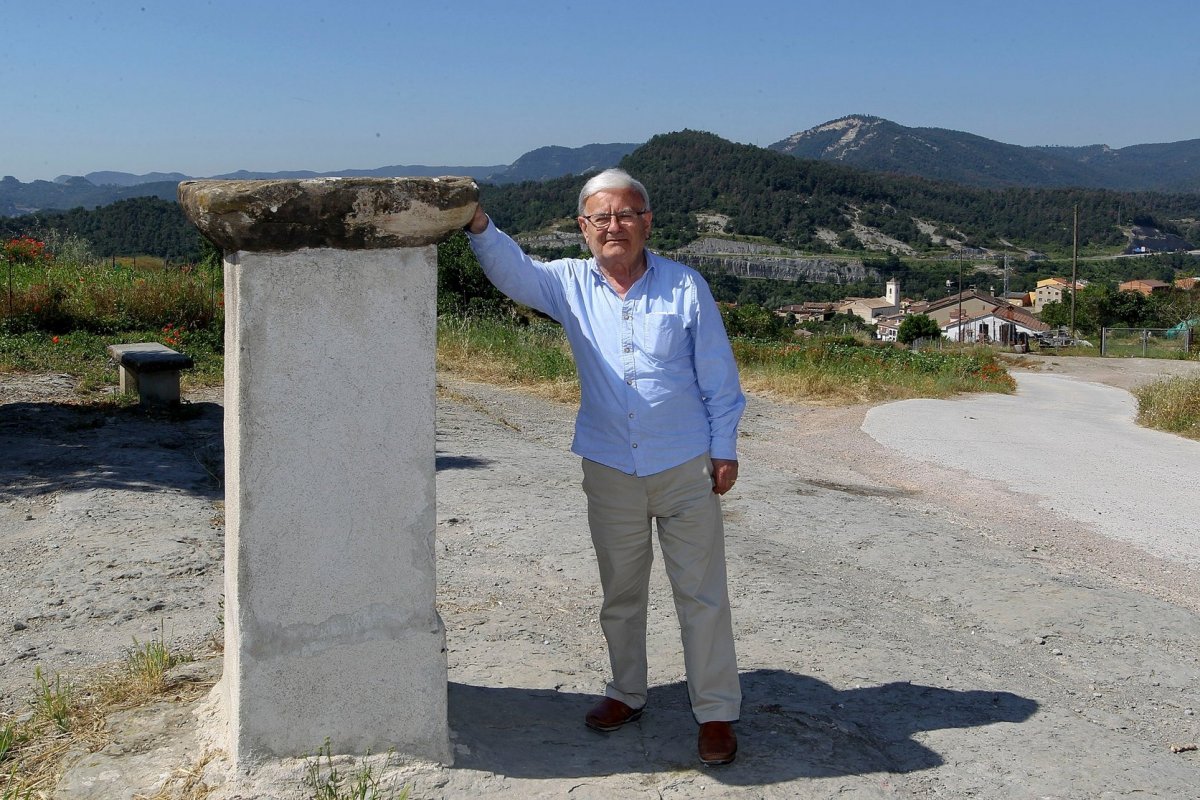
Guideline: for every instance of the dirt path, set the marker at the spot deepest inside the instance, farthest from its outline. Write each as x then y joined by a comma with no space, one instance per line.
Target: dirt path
898,637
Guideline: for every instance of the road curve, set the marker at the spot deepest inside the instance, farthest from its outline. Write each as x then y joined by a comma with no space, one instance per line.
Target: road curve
1072,445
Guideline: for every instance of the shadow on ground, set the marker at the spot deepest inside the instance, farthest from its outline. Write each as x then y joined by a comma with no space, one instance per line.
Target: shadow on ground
48,447
444,462
792,726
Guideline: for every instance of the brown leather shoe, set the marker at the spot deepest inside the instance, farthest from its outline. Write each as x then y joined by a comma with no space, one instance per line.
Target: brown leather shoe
610,714
717,743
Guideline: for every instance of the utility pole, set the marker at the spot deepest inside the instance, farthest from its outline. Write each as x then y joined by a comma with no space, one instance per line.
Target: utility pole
960,319
1074,269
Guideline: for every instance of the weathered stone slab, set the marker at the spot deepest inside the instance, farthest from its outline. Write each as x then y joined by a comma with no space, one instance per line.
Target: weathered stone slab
341,213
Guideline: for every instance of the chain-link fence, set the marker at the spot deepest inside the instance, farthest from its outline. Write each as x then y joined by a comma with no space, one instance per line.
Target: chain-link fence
1146,342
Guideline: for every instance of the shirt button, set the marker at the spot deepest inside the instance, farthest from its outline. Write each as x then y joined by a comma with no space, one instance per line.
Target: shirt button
625,316
629,382
631,416
628,349
635,445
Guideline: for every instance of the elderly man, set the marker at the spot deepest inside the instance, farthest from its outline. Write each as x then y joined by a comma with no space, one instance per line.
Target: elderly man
657,430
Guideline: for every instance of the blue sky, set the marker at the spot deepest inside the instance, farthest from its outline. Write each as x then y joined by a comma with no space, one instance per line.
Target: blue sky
211,86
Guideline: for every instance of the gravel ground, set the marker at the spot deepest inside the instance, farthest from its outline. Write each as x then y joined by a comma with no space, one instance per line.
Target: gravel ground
904,629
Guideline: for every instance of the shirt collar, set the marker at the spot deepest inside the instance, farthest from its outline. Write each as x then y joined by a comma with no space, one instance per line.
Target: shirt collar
598,276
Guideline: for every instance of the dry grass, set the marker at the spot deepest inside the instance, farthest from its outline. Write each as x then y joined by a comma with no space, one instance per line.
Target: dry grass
537,359
69,717
1171,404
841,371
813,387
185,783
534,357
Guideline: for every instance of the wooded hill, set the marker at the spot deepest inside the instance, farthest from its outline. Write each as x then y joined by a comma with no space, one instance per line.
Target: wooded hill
790,201
811,206
138,226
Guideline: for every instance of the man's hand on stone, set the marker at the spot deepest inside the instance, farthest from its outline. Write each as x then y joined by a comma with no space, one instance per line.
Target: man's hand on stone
479,222
724,474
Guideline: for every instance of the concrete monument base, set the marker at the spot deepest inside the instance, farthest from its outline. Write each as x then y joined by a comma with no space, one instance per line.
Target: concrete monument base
331,628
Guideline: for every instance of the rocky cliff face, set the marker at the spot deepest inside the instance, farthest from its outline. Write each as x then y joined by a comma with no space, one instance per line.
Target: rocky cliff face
780,268
758,260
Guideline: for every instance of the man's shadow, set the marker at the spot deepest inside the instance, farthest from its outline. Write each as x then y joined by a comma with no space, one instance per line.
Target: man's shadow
792,726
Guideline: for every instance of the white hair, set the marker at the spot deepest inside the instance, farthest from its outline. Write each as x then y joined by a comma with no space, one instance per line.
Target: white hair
613,180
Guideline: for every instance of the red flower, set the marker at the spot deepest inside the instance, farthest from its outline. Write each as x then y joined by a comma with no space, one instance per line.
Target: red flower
55,340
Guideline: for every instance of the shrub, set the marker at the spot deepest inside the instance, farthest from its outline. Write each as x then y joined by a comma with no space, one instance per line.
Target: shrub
918,326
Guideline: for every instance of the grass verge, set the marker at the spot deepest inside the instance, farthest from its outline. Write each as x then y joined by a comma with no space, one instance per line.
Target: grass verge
839,370
536,358
846,370
1172,405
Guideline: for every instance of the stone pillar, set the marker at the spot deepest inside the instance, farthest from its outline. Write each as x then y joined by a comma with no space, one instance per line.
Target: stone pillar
330,624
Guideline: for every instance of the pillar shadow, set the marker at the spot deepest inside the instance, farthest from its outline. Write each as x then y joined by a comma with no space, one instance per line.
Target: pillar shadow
792,726
49,447
443,462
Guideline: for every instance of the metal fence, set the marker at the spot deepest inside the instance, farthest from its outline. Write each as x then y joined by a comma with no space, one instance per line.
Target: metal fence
1146,342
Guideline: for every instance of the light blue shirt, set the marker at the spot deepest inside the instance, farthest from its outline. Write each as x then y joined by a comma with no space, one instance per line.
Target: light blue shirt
658,381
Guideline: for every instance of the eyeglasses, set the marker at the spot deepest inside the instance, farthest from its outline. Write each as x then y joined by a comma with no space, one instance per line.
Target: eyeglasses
623,218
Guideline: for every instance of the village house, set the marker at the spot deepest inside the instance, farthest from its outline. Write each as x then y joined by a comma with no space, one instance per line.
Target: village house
945,310
1146,286
869,310
804,312
1003,324
1050,290
1019,299
887,329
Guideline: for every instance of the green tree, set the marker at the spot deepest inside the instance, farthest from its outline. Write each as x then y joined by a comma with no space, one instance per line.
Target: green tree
1089,313
462,286
918,326
1177,306
837,325
1126,310
725,287
754,322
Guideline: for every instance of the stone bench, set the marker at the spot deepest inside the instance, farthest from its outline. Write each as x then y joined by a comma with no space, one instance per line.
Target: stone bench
150,369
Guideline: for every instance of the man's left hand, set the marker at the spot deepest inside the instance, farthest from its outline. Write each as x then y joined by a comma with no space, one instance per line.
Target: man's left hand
724,474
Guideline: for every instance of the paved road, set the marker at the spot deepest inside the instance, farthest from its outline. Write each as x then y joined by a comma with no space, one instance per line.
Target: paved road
1073,445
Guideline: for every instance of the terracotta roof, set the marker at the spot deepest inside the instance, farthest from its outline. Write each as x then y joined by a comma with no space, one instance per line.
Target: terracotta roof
952,300
1007,313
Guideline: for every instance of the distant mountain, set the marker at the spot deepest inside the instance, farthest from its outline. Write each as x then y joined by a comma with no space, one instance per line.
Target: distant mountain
18,198
881,145
123,178
707,187
547,163
102,188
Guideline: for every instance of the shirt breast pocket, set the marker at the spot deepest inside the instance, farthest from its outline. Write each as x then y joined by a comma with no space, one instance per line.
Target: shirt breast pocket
665,335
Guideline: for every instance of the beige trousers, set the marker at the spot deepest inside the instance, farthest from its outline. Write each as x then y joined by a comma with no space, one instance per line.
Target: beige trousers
692,539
